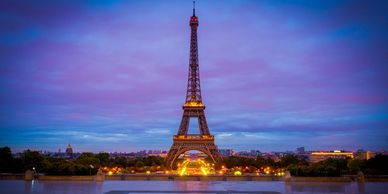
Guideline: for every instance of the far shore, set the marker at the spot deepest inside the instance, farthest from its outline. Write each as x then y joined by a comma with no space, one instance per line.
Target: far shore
173,177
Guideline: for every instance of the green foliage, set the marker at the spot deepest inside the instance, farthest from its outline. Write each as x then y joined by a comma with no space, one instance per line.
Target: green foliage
88,158
139,164
31,159
6,160
5,154
252,164
81,165
104,158
234,161
152,161
288,159
377,165
263,162
337,167
120,161
328,167
356,165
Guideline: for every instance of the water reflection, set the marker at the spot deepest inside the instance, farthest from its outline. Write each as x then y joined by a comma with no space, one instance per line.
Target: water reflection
335,187
190,186
28,185
91,187
65,187
361,187
316,187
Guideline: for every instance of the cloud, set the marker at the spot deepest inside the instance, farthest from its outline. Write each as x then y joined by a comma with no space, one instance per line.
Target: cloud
158,131
273,75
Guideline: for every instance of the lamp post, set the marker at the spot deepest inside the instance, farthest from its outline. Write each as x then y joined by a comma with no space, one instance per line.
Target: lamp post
90,169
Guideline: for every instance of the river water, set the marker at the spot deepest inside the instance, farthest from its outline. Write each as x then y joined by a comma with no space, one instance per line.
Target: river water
121,187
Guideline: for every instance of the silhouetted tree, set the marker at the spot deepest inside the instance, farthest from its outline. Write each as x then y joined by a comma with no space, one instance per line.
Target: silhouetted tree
356,165
6,160
139,164
104,158
263,162
288,160
32,159
120,161
377,165
88,158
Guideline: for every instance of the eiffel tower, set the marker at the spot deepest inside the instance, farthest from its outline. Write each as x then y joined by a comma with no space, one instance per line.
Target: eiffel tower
193,107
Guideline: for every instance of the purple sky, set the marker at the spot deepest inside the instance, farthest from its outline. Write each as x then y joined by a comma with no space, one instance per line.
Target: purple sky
275,75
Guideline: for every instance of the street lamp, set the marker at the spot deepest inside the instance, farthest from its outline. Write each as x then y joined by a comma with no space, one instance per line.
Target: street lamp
90,169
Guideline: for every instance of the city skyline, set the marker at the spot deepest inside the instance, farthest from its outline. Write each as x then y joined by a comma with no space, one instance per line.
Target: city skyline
111,76
235,151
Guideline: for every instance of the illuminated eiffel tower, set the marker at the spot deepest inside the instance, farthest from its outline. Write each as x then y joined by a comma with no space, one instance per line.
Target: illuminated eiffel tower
193,107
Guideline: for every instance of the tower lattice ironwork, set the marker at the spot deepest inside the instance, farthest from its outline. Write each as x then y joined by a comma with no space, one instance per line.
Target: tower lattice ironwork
193,107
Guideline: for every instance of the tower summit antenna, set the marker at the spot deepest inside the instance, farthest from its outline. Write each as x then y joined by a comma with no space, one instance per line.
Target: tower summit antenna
193,8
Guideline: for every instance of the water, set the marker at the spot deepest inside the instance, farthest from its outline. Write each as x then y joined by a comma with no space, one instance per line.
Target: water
91,187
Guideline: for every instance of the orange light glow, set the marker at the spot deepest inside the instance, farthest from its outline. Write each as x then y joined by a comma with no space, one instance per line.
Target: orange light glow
335,153
194,104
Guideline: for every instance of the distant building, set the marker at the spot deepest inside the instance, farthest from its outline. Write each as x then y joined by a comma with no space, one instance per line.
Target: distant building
319,156
243,154
157,153
300,150
199,155
364,155
69,151
163,154
275,156
255,153
226,152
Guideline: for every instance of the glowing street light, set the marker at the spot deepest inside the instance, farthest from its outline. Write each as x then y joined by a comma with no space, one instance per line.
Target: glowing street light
237,173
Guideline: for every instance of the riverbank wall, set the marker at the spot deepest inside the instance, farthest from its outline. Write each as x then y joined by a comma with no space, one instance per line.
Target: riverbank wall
194,178
166,177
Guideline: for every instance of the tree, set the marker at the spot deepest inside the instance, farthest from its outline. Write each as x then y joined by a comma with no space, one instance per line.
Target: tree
356,165
153,160
104,158
378,165
231,161
288,160
88,158
32,159
121,161
6,160
139,164
262,162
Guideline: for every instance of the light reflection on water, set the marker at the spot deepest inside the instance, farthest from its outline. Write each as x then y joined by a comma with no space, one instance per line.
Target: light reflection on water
91,187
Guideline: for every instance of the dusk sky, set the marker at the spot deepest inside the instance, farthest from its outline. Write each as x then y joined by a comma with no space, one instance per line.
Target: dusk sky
275,75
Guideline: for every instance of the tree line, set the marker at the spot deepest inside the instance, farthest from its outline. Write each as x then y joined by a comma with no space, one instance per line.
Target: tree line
300,167
88,163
